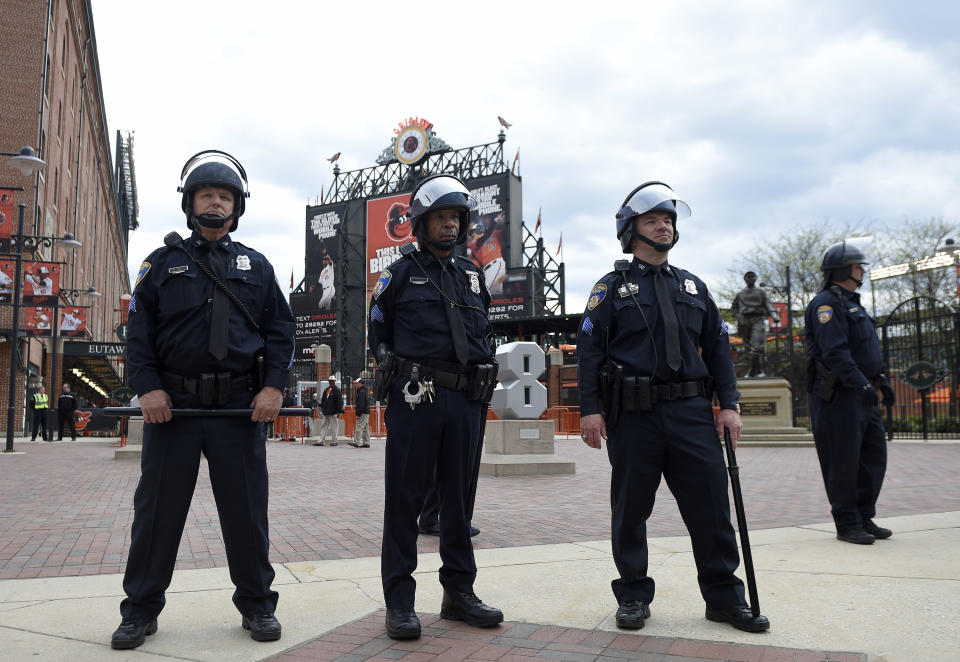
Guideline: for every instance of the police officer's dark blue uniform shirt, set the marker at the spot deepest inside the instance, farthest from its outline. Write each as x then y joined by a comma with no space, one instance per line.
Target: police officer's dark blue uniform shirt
612,316
173,335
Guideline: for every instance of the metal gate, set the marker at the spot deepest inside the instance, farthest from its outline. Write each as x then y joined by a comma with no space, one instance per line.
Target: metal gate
921,345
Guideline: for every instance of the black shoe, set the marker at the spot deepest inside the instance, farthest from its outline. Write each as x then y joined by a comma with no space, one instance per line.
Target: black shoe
467,607
877,532
740,617
131,633
353,443
365,446
333,443
403,623
474,530
430,529
632,614
318,443
263,627
52,440
856,536
59,438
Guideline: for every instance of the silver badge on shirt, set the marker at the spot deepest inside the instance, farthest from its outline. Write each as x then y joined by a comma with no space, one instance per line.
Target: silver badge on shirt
474,281
243,262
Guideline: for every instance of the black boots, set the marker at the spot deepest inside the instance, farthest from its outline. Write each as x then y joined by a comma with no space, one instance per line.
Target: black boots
467,607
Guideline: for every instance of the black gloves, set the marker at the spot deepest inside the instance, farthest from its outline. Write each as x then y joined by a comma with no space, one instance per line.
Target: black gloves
868,395
889,398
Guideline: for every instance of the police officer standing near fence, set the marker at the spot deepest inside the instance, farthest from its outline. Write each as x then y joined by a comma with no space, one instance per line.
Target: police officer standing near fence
652,349
192,344
429,329
844,376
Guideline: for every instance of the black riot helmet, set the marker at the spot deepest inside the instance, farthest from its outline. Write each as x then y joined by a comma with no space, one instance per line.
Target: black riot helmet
838,261
212,167
438,192
651,196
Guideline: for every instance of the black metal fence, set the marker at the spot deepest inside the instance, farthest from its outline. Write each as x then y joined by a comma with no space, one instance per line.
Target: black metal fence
923,332
918,330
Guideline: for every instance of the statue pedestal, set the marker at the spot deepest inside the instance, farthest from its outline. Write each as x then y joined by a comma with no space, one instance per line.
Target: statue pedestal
521,448
766,409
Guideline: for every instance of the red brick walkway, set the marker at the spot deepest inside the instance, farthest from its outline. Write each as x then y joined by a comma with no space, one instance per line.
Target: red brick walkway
67,507
446,641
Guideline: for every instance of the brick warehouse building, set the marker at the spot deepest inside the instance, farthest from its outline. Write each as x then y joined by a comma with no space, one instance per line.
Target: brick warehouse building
52,100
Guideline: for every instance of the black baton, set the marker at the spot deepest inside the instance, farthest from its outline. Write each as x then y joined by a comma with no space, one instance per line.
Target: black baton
742,523
216,413
475,478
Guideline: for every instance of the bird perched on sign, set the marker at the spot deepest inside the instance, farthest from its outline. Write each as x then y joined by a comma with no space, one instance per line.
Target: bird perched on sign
504,123
334,157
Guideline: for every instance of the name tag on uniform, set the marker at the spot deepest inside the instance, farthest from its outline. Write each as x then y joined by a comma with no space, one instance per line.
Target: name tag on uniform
178,270
419,280
854,309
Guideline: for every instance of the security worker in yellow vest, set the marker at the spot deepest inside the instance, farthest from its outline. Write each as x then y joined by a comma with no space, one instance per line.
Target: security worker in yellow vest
40,403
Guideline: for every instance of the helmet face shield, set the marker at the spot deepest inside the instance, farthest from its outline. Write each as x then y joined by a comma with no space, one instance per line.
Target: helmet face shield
213,168
648,197
440,192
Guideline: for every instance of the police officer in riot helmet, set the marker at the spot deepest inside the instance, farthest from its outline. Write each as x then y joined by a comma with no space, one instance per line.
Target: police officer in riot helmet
845,373
429,329
652,350
208,328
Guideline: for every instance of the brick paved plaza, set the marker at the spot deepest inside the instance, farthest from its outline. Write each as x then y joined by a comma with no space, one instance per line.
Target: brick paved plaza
67,507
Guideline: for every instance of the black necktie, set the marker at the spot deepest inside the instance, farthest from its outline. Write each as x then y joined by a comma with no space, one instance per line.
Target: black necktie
220,314
671,329
453,313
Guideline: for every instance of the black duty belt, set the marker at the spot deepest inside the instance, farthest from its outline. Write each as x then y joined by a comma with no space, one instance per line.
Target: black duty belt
223,381
448,375
639,394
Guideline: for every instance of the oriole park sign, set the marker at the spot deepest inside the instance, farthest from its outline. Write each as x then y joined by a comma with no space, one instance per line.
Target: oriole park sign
93,348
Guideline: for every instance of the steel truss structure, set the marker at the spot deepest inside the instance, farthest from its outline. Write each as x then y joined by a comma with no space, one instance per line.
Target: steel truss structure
466,163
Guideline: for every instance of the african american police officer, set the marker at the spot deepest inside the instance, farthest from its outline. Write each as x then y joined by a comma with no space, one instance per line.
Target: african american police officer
651,351
429,327
845,372
191,345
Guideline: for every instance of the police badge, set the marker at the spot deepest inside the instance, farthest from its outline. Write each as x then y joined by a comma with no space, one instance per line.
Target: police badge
243,262
690,286
474,281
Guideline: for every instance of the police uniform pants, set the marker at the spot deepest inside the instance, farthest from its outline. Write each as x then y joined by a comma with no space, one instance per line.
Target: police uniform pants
235,449
361,433
678,440
442,437
853,455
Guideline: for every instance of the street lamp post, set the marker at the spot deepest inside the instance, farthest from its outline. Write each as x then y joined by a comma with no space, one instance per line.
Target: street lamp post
27,163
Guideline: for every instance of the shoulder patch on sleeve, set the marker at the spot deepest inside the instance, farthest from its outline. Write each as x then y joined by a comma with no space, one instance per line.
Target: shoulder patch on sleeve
144,269
597,294
824,314
382,283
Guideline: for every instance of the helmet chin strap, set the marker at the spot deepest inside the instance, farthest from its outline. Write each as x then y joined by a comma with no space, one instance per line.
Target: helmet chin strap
447,245
657,246
212,221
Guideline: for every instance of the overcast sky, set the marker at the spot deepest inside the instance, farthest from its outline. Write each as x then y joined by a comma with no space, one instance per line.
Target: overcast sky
762,115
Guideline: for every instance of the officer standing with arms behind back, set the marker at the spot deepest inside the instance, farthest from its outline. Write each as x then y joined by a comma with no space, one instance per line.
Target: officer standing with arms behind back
193,345
652,349
844,374
429,329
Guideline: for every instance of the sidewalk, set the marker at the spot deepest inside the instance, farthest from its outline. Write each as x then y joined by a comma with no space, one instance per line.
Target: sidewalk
893,601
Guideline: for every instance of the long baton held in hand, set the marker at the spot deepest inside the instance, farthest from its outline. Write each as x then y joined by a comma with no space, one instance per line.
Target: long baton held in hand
742,523
215,413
